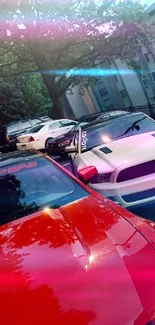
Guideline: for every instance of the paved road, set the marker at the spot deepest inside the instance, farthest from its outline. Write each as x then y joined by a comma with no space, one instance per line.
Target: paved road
63,162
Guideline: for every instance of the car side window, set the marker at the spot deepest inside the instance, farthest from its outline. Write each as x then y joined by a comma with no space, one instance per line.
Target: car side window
68,123
55,125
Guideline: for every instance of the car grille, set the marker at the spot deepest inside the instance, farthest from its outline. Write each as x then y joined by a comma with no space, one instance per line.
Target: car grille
53,145
137,171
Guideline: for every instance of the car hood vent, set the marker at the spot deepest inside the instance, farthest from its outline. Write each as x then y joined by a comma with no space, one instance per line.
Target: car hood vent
106,150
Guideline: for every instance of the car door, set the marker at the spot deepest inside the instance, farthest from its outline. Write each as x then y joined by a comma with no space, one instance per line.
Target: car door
55,129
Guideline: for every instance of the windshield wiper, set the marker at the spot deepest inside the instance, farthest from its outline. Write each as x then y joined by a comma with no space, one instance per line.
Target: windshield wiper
132,127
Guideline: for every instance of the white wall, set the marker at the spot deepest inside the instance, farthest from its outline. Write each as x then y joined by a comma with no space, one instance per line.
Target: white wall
132,84
77,103
91,93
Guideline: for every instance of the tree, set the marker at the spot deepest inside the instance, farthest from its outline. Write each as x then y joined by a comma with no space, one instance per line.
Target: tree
23,97
12,105
67,37
35,94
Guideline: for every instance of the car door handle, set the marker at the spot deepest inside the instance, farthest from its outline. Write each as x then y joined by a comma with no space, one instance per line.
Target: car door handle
53,132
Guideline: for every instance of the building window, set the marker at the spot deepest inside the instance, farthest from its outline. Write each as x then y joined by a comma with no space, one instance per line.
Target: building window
153,75
123,93
146,84
102,89
116,77
147,57
108,104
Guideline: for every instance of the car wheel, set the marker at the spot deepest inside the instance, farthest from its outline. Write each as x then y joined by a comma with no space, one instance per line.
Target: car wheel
46,143
64,155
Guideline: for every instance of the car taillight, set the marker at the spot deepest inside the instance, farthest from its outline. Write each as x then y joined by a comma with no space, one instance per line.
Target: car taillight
31,139
17,140
7,138
101,178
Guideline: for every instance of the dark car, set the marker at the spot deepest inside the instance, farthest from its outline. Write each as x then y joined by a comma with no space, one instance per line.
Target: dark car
4,140
58,145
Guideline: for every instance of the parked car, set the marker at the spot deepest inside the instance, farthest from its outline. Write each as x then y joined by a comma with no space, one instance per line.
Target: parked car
122,153
64,143
4,140
39,136
16,129
68,255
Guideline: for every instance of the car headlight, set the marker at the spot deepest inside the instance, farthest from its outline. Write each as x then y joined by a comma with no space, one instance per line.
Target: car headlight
63,144
101,178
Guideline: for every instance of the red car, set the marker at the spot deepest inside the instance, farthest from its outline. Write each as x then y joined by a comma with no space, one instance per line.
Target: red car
68,255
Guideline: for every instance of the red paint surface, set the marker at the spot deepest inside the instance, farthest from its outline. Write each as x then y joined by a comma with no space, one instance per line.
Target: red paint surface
43,273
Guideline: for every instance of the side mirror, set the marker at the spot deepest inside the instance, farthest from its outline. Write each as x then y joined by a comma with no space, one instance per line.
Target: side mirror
86,174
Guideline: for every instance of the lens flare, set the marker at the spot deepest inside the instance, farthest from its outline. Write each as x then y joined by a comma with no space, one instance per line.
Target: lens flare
106,138
47,210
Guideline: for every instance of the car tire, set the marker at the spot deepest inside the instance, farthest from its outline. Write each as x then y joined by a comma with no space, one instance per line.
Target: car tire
46,142
64,155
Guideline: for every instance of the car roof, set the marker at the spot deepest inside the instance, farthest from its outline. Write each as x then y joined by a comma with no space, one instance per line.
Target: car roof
52,121
113,113
17,157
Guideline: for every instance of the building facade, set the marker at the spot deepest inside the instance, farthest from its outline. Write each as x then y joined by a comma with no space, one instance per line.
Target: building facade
118,90
133,88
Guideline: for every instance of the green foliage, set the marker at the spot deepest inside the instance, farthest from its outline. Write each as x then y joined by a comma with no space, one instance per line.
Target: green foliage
12,105
65,35
22,97
35,94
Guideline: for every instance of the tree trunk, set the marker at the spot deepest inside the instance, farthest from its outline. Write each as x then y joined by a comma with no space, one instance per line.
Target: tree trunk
57,110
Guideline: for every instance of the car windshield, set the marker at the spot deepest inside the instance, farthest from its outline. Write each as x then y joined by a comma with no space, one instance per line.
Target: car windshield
12,128
116,129
28,187
35,129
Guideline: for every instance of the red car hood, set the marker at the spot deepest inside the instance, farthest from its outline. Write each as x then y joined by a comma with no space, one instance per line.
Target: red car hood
83,264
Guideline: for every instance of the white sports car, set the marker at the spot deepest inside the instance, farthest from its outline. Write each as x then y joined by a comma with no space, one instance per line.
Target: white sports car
117,158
